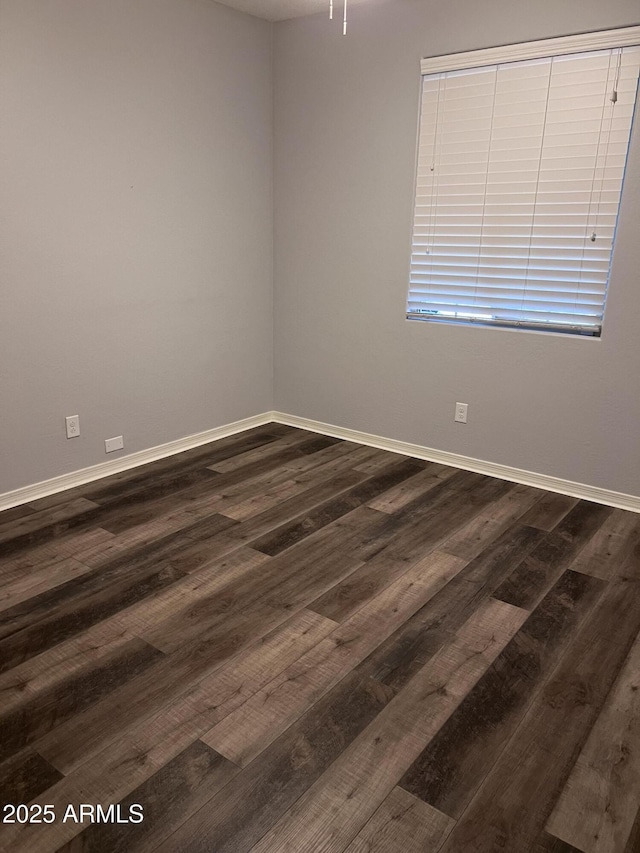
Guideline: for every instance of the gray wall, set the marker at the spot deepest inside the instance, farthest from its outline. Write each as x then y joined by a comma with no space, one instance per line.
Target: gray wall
136,251
345,120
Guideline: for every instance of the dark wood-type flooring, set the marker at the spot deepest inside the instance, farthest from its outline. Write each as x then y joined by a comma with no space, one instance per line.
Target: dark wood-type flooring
284,642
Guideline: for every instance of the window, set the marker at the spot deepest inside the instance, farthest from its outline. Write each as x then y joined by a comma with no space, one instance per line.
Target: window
521,160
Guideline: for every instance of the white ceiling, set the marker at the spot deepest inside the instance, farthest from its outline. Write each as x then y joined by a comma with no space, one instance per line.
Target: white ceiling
280,10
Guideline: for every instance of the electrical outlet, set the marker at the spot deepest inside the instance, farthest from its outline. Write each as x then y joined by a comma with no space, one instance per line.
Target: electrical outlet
460,416
73,425
112,444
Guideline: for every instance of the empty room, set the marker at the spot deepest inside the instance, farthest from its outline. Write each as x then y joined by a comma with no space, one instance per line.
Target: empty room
320,426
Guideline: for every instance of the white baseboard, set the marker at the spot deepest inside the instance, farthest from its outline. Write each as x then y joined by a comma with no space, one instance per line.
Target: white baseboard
456,460
123,463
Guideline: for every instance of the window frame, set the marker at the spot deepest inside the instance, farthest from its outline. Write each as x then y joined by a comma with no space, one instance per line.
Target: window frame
522,51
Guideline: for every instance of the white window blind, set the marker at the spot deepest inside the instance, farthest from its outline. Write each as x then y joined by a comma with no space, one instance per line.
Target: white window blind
519,178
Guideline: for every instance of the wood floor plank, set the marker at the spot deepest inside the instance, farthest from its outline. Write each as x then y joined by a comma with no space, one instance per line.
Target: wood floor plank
294,478
357,453
281,584
238,817
633,843
125,566
308,444
241,510
22,584
235,819
74,543
312,579
384,562
149,486
602,556
399,496
134,754
270,462
64,495
224,494
168,798
630,564
418,527
42,672
151,504
318,562
287,535
537,761
177,615
548,844
59,549
139,749
14,513
317,443
451,769
294,510
402,824
136,508
598,805
408,649
258,722
81,738
285,511
77,740
332,812
29,525
41,837
549,511
168,533
344,598
68,697
25,777
461,488
20,643
381,459
471,539
531,580
216,695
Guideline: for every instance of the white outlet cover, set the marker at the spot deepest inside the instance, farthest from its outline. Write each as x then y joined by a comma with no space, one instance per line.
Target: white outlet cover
72,423
112,444
461,413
